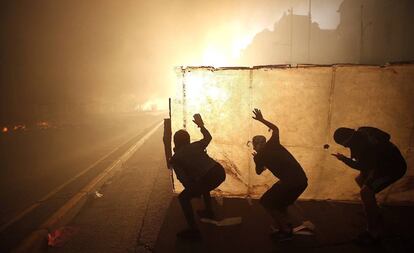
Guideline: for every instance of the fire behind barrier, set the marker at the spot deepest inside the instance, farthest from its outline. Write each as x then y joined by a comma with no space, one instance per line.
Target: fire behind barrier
307,103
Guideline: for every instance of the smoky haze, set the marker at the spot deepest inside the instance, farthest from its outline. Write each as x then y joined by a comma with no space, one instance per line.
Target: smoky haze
97,56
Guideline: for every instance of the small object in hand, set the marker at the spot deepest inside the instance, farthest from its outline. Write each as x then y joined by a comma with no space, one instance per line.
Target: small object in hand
198,120
326,146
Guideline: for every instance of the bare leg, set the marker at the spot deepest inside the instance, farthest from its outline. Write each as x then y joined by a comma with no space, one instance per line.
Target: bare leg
372,212
185,201
207,201
208,209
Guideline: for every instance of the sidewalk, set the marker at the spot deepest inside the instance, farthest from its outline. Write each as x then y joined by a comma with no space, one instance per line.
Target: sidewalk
139,213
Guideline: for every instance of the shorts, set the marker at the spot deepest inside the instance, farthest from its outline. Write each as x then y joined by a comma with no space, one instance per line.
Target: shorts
214,177
378,182
392,166
281,195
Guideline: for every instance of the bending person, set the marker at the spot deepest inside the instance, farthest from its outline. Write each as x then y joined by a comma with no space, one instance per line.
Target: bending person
292,179
198,173
380,164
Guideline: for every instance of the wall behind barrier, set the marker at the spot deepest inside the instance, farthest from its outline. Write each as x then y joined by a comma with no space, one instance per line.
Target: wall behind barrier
307,103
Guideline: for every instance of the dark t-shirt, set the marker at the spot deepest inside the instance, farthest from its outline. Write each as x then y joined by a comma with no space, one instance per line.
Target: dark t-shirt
191,162
364,149
279,161
371,149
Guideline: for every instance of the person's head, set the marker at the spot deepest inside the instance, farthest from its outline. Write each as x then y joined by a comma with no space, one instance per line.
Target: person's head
343,135
181,138
258,142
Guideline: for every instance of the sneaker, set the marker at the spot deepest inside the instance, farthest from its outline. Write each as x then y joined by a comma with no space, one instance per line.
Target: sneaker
280,236
366,239
191,234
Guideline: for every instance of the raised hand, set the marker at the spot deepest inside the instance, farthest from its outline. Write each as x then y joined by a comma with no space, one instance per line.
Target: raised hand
257,114
198,120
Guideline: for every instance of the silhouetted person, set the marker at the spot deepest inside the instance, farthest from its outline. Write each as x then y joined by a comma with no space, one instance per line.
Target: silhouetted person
380,164
198,172
292,179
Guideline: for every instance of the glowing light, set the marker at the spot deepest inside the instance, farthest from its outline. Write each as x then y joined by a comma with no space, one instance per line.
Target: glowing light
154,104
19,127
5,130
213,57
199,91
43,124
225,44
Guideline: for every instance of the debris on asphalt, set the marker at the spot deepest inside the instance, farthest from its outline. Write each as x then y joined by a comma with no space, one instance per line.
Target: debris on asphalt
224,222
60,236
306,228
98,194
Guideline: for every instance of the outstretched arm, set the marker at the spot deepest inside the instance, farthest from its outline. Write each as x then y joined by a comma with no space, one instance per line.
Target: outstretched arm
348,161
259,117
275,130
206,134
206,137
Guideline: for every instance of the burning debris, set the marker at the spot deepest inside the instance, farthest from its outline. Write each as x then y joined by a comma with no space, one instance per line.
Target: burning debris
20,127
43,125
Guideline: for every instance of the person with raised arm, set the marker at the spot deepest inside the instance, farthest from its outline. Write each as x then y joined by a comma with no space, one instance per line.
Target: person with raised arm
198,173
272,155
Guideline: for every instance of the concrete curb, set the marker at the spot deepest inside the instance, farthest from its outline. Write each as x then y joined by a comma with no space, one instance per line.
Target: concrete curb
37,240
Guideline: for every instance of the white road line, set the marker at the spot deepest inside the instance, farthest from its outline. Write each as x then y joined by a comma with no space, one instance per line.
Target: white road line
54,191
92,184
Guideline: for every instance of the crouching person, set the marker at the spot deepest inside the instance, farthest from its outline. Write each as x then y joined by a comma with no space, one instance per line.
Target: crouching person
198,173
380,164
292,179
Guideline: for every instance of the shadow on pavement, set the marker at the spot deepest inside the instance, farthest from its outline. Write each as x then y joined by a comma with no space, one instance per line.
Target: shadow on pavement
336,225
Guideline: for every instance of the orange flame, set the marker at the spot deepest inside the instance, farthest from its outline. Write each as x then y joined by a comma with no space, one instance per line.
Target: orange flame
19,127
43,124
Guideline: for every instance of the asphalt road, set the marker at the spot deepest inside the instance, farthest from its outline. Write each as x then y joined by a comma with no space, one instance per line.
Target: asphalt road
139,213
36,161
129,215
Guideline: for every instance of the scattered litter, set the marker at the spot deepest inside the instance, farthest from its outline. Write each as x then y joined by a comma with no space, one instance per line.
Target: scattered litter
224,222
98,194
304,232
60,236
306,225
306,228
207,220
